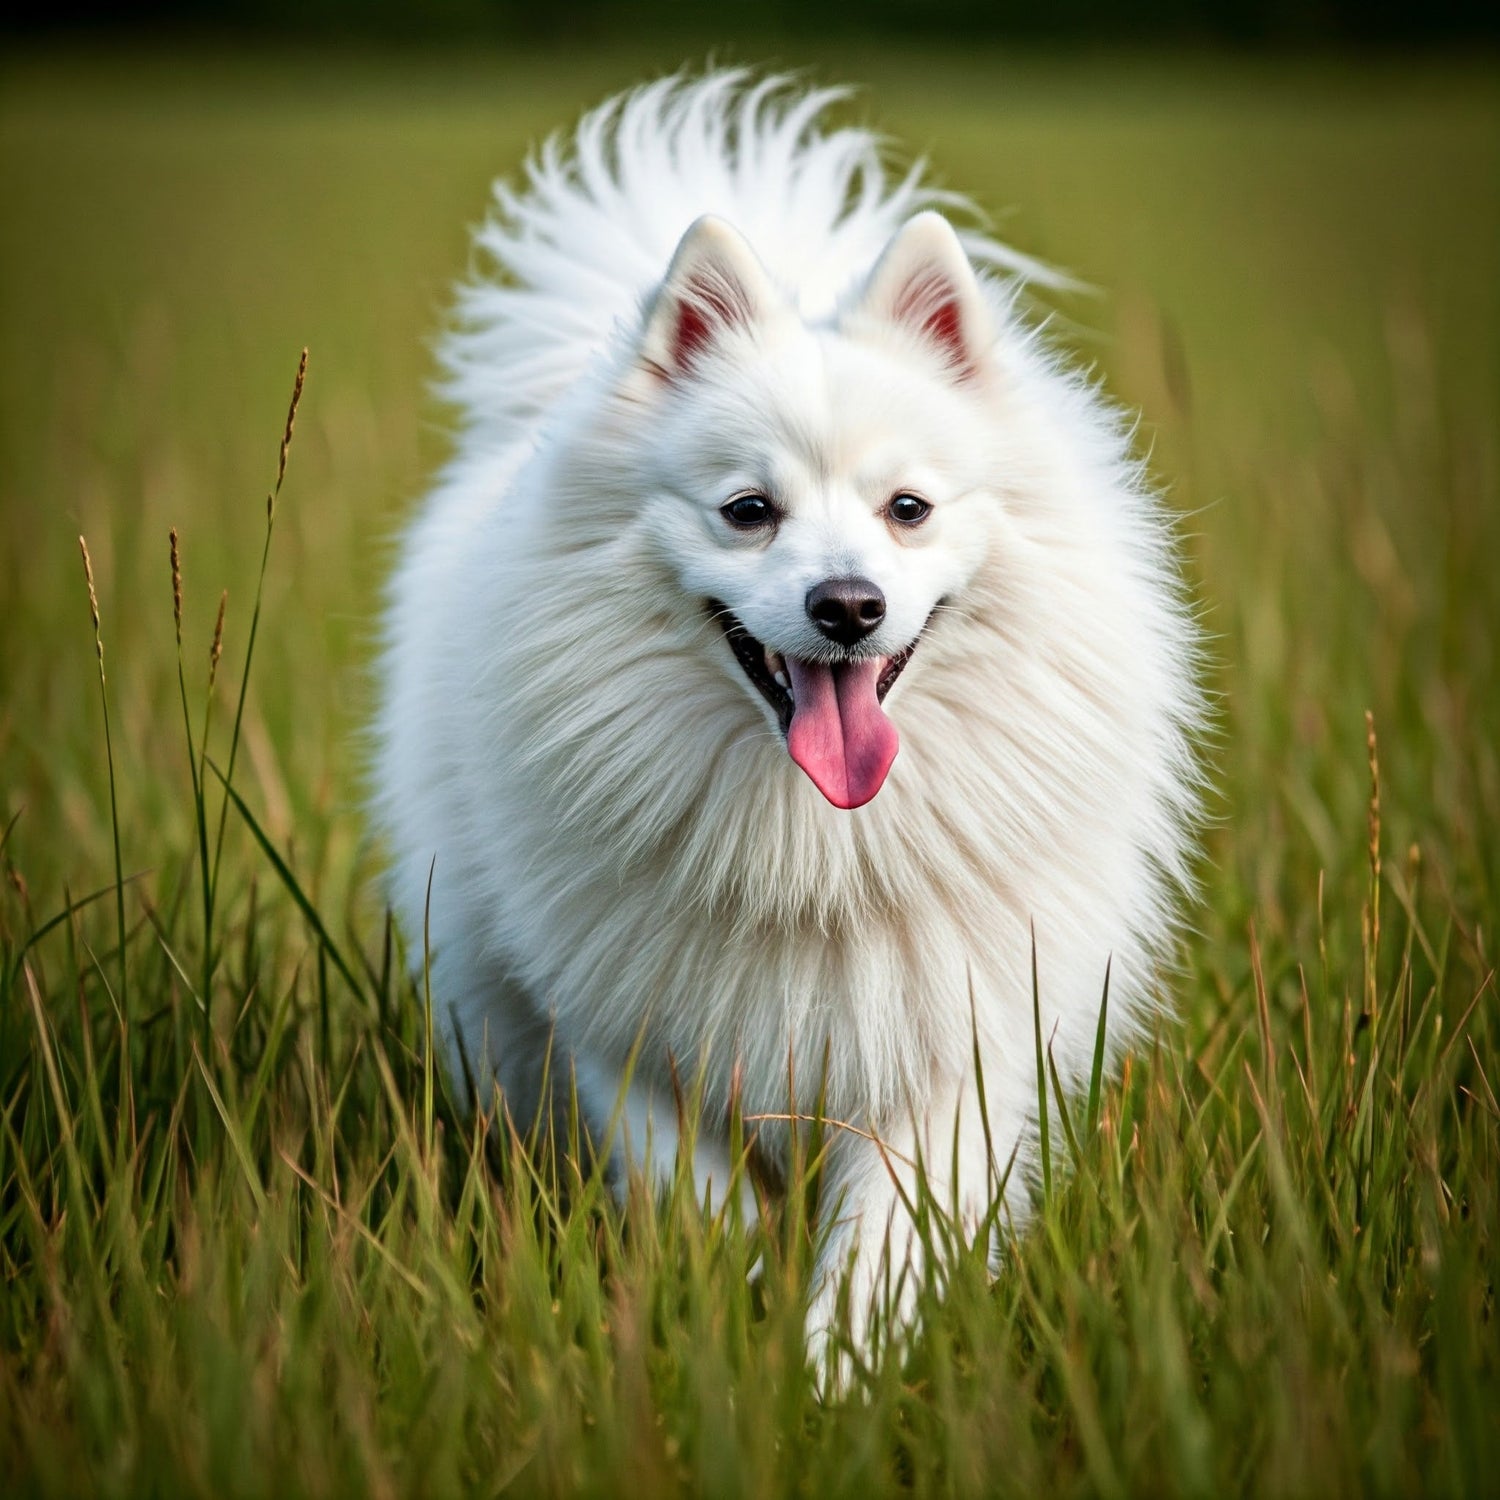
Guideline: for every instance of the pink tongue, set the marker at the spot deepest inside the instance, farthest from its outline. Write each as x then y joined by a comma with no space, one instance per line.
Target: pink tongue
840,735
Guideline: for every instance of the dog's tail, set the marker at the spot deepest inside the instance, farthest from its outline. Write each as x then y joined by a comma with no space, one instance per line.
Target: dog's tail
569,255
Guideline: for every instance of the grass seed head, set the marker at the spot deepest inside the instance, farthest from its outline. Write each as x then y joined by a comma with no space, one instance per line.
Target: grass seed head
88,578
291,422
176,586
217,649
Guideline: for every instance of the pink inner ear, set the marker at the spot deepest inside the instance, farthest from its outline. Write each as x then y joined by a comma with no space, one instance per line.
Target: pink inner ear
932,306
691,336
943,325
701,313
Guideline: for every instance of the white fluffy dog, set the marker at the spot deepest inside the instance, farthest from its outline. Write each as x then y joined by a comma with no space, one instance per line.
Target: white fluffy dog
790,638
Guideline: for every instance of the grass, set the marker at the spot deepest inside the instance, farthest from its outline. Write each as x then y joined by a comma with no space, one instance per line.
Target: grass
246,1244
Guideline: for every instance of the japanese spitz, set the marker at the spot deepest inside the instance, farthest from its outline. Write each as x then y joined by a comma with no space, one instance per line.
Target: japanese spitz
790,639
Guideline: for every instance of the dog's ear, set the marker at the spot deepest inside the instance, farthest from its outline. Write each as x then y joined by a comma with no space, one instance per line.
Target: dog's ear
715,283
923,282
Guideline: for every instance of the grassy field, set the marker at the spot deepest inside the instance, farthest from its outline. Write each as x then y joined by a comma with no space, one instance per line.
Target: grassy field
246,1246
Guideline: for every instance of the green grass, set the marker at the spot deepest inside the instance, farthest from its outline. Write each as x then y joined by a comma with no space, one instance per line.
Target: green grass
246,1246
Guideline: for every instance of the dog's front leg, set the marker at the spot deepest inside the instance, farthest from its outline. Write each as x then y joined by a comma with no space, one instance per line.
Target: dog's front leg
939,1160
648,1137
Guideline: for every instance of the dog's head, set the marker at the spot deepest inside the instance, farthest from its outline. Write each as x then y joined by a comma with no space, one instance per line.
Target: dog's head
820,488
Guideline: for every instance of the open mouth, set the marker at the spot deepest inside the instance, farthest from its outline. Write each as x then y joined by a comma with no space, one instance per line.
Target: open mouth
767,669
829,712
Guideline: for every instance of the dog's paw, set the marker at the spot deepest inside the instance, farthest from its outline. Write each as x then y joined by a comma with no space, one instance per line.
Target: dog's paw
861,1306
834,1340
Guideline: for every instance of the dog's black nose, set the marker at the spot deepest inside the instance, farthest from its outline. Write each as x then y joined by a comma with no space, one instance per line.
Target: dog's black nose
846,610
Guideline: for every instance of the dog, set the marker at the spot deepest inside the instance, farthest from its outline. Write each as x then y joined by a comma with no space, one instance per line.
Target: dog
790,663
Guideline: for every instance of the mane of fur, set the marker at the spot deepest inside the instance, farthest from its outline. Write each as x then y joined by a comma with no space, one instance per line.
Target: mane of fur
567,258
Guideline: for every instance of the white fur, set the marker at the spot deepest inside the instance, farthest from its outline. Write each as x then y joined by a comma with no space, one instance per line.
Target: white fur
624,849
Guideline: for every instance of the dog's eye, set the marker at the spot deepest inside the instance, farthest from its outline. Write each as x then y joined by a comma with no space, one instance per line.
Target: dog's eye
748,512
908,510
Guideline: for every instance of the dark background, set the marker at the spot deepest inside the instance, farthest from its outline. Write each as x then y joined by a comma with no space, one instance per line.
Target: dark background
1274,23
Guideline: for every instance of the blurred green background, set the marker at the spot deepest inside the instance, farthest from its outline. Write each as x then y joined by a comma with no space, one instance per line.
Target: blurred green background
599,21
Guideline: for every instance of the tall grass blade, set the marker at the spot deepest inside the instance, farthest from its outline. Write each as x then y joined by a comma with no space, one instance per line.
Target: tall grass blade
293,886
428,1062
1062,1109
195,771
1042,1111
109,756
1101,1039
260,584
235,1134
